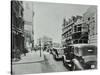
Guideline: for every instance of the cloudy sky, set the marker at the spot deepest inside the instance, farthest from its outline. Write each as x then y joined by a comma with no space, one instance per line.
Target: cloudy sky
48,18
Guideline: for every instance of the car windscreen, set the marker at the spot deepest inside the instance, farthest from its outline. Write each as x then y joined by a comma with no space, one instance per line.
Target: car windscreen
89,50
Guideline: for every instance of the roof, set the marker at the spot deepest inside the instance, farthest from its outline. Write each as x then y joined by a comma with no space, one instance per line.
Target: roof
82,45
79,21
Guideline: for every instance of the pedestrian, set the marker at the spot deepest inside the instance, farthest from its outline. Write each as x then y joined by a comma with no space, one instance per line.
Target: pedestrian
18,54
45,53
13,57
44,48
35,49
47,49
31,50
25,51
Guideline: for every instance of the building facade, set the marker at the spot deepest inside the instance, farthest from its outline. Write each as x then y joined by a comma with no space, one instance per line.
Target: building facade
45,42
90,19
28,25
67,28
17,25
74,31
80,31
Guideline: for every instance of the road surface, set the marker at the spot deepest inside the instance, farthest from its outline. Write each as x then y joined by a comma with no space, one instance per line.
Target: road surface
40,66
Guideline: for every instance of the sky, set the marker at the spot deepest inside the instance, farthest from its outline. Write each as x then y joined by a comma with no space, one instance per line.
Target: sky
48,18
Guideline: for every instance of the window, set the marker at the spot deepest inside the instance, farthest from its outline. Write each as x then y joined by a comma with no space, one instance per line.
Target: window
75,41
89,19
79,28
75,28
77,50
93,18
80,41
85,41
89,50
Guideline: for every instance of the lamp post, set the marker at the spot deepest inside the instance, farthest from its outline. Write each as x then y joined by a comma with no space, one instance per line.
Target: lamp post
32,27
40,46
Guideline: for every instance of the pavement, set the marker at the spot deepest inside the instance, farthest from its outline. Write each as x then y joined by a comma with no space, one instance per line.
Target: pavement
31,57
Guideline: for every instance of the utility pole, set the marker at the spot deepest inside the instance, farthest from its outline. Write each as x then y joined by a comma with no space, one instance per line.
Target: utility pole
32,27
40,46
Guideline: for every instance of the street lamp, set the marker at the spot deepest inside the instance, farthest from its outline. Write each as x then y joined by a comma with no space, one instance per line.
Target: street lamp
32,27
40,46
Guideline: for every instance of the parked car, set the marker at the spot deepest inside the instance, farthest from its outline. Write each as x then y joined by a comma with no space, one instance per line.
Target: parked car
57,53
67,58
80,56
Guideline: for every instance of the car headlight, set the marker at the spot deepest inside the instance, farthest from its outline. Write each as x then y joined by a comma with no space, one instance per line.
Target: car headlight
69,65
93,66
